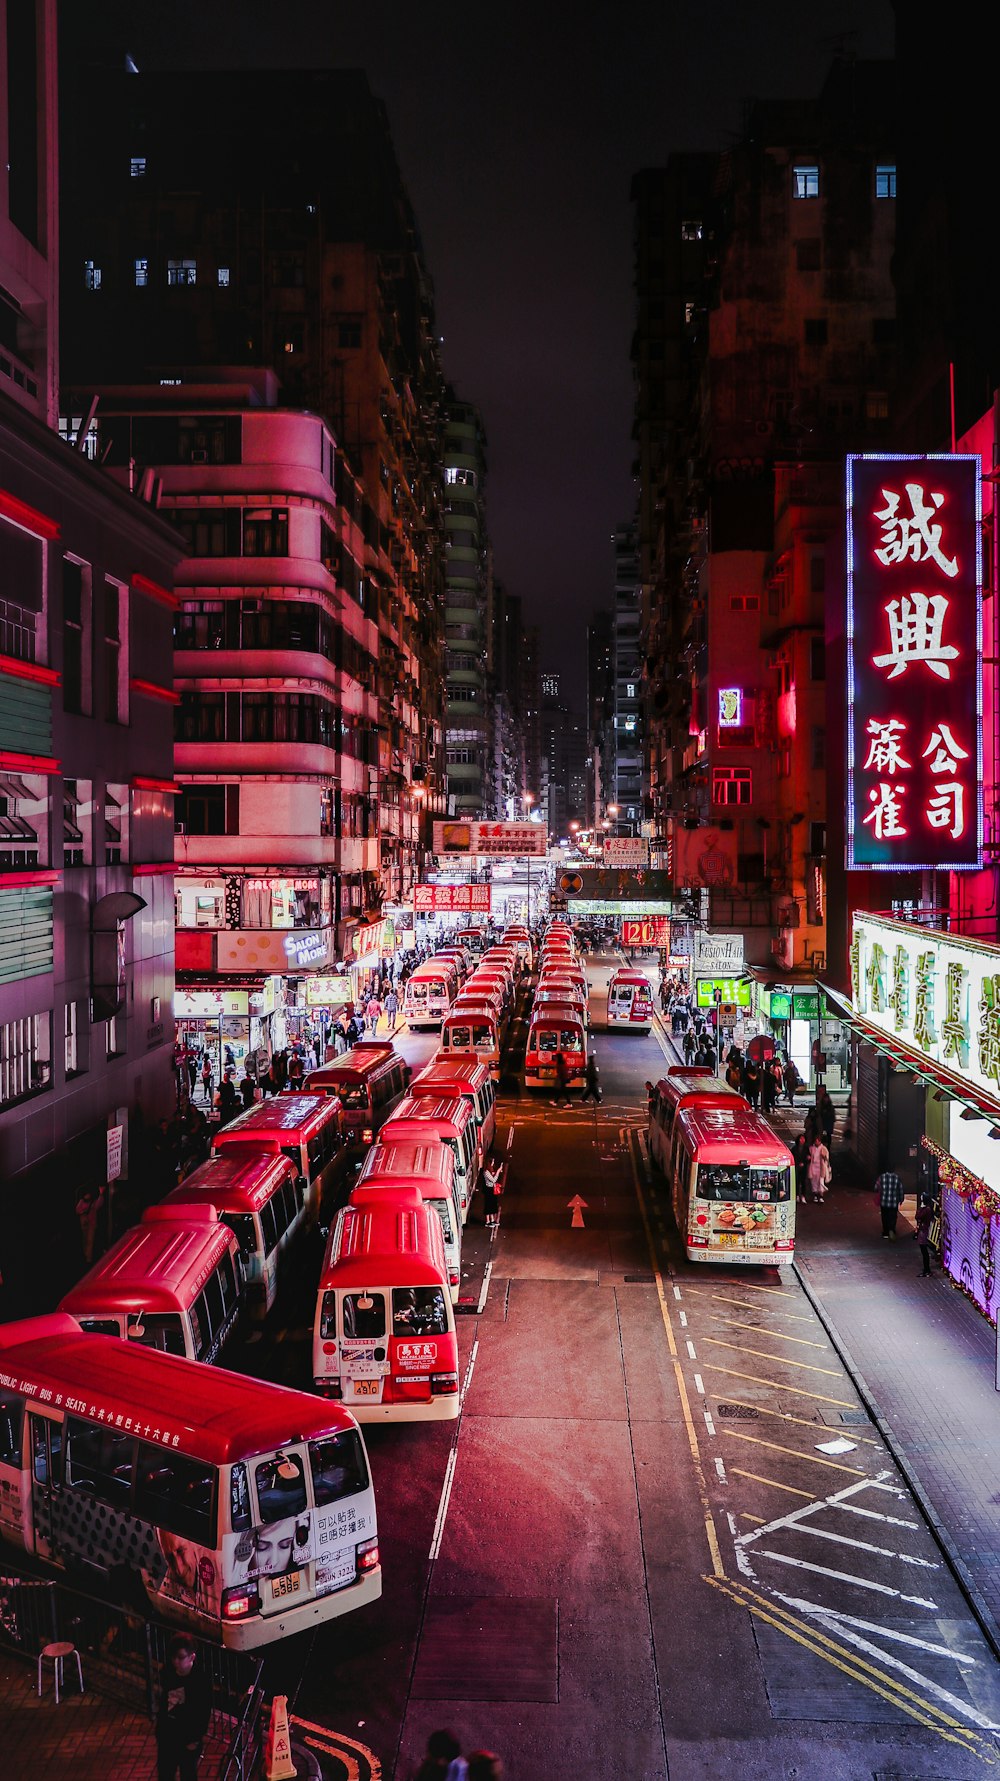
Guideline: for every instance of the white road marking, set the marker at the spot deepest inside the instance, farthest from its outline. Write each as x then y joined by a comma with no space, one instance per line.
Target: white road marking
823,1533
510,1138
884,1632
691,1350
684,1319
468,1371
709,1424
721,1469
802,1564
484,1289
677,1292
876,1515
442,1514
836,1623
699,1385
840,1499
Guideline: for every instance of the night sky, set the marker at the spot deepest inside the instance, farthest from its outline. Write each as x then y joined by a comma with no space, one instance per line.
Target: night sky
518,128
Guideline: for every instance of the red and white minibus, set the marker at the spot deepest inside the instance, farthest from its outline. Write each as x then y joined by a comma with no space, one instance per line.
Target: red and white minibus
259,1197
694,1086
486,996
384,1336
244,1511
173,1282
473,939
458,956
430,992
548,992
733,1186
429,1167
630,1003
461,1079
555,1027
495,977
308,1129
474,1029
368,1081
451,1120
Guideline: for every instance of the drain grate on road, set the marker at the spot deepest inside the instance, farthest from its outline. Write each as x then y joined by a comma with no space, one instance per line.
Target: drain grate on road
738,1412
638,1280
489,1648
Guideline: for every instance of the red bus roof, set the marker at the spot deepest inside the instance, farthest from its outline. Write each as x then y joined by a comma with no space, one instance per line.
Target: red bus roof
557,1014
452,1112
280,1119
448,1076
158,1265
638,977
241,1179
397,1165
207,1412
386,1245
733,1135
355,1066
471,1008
697,1081
432,970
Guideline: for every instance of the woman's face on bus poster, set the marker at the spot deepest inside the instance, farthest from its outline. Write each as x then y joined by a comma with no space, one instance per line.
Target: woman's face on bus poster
277,1547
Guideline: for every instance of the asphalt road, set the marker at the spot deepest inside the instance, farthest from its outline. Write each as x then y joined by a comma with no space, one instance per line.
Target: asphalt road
663,1539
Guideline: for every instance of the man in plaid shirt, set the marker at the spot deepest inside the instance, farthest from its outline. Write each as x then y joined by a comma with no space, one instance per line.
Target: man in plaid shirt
890,1192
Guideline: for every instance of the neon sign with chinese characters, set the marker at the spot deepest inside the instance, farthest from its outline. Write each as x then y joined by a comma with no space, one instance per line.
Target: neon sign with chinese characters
935,994
914,663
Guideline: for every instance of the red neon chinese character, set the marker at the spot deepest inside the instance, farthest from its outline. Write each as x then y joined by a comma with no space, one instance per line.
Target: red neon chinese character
885,753
916,622
885,817
913,535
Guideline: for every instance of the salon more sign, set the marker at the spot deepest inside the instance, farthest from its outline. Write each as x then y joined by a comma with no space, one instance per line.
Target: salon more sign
937,994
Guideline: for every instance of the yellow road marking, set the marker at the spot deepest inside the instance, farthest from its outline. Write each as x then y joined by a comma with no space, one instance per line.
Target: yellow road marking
790,1488
850,1666
777,1292
812,1459
789,1316
745,1514
786,1416
710,1530
762,1354
734,1323
774,1385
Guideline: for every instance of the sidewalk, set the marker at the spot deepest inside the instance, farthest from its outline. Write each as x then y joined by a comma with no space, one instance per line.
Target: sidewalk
923,1360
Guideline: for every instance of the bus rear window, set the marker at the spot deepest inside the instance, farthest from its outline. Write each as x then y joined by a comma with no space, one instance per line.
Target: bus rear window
738,1181
161,1330
571,1040
354,1098
459,1036
242,1226
364,1314
418,1311
338,1467
548,1039
482,1036
281,1487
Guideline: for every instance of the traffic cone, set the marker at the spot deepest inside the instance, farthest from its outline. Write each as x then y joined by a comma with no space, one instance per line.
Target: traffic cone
278,1764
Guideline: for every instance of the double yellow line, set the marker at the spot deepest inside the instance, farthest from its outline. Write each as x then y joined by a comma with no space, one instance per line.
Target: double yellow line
852,1665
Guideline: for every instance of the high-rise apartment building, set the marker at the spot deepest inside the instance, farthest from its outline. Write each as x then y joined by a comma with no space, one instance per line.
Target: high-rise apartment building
627,726
470,749
86,737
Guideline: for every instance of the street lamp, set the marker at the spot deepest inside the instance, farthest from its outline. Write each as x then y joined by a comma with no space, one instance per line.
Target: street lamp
527,800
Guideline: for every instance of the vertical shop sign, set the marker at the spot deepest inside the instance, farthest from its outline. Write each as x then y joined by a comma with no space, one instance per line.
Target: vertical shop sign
914,663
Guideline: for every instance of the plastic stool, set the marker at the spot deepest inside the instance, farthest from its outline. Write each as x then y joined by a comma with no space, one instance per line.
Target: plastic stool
58,1654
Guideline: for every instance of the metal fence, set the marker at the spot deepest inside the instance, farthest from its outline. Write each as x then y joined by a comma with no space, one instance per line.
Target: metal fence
124,1653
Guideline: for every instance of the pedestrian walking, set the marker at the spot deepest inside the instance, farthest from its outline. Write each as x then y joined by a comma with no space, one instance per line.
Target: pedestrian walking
687,1045
734,1074
562,1080
800,1157
751,1081
248,1089
818,1170
891,1193
192,1070
777,1075
484,1765
227,1097
792,1080
391,1010
827,1116
444,1760
207,1078
183,1713
592,1084
925,1213
767,1091
492,1172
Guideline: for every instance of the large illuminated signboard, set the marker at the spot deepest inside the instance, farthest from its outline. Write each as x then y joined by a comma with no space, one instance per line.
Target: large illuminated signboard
936,994
914,663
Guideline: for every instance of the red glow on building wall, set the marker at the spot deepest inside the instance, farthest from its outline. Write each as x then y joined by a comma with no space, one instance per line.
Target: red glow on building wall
914,663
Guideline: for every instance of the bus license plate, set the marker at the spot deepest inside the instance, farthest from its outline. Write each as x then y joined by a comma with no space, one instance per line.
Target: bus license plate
729,1239
366,1388
282,1586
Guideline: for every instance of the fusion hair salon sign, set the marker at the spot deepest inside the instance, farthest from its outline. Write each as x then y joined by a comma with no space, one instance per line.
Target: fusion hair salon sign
914,663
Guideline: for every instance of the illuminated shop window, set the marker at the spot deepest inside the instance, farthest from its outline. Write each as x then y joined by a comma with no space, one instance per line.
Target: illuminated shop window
223,278
142,272
732,785
137,167
182,272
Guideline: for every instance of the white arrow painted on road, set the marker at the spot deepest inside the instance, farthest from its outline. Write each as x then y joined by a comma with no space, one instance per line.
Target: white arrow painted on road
577,1207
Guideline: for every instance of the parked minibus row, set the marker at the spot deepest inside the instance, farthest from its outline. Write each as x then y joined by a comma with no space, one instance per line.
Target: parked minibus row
559,1014
731,1179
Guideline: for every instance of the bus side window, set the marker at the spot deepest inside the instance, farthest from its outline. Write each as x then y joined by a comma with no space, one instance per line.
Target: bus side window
176,1493
279,1207
213,1299
99,1460
229,1284
268,1225
239,1499
290,1203
241,1223
11,1422
201,1329
328,1317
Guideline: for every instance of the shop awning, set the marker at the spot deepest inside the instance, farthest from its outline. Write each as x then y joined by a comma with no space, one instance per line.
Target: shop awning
945,1083
773,977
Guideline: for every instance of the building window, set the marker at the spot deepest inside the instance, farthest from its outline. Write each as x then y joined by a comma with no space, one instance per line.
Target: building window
116,825
223,277
208,810
877,405
805,180
817,572
91,275
114,1038
691,229
348,334
817,747
182,272
744,602
291,337
25,1057
142,272
817,838
70,1050
265,532
885,179
732,785
815,330
817,658
77,822
137,167
115,711
808,254
75,636
22,814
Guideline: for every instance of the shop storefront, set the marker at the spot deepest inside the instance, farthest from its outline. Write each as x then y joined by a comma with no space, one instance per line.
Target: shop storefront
925,1015
216,1024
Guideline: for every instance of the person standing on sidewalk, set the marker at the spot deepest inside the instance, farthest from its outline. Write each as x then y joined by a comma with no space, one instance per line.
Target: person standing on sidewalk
925,1214
184,1712
391,1010
819,1171
890,1192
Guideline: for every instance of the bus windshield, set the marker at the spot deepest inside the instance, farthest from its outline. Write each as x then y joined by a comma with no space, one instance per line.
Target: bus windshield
738,1181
